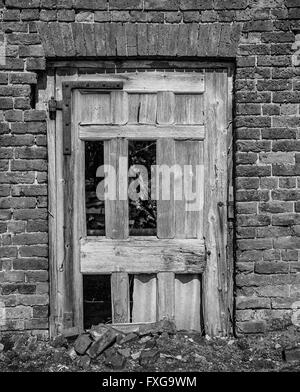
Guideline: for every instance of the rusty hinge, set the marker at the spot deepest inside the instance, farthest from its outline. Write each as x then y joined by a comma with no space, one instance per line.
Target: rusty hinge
53,106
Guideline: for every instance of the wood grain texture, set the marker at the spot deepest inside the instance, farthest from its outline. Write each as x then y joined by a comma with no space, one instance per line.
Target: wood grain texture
116,211
141,254
153,81
187,302
119,107
215,218
55,303
144,307
189,109
166,295
165,157
189,189
79,214
165,107
141,132
95,108
120,297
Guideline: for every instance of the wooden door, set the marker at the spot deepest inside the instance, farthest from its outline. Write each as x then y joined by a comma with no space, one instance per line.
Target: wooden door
177,272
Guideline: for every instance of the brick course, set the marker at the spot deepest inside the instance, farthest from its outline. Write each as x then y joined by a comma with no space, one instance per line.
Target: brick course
262,38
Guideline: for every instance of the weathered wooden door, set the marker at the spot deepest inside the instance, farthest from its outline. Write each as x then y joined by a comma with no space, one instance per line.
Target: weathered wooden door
180,271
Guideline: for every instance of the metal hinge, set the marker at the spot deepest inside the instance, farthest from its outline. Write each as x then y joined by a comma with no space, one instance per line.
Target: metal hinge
53,106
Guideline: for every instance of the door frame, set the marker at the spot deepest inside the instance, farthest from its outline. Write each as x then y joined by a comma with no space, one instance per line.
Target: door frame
218,303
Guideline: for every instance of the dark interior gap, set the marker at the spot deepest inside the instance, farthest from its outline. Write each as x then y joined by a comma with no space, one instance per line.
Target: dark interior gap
96,300
142,209
95,207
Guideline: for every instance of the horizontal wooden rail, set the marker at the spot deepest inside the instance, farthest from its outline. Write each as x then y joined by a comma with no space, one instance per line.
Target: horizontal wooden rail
141,132
140,255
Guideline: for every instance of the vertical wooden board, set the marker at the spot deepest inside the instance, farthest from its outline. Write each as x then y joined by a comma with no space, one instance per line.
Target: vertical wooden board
144,308
194,213
120,297
119,107
189,185
95,108
189,109
55,303
165,107
230,211
188,302
116,211
166,295
148,108
133,108
64,212
165,158
79,213
215,282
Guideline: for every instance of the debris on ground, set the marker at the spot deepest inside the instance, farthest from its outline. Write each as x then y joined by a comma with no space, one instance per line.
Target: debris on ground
153,347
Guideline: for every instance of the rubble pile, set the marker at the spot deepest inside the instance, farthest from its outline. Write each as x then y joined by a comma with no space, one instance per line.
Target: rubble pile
149,347
109,342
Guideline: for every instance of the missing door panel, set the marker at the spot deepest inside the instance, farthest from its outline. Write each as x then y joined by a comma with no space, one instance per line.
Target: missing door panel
142,209
95,207
96,300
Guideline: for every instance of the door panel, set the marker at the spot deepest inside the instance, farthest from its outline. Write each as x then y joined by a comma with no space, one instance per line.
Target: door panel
167,269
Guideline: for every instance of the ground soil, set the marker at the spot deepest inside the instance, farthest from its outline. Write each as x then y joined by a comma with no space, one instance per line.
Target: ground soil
179,352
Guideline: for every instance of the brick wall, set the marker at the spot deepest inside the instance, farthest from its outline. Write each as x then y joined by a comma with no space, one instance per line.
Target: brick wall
267,96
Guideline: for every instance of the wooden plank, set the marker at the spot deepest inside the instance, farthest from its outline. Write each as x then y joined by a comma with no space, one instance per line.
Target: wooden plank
215,212
229,294
64,219
144,298
116,211
147,109
141,64
189,109
120,297
78,219
181,82
165,107
134,327
187,302
166,295
119,107
55,304
133,108
95,108
141,132
189,189
141,254
165,158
